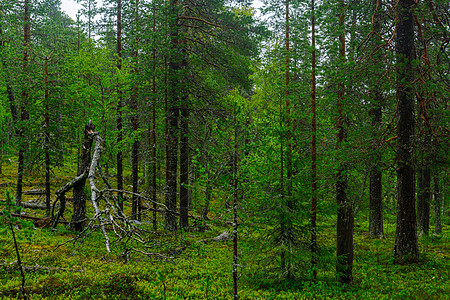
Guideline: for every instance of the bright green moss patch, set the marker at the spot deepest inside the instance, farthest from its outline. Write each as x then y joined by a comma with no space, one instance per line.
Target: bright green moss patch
203,271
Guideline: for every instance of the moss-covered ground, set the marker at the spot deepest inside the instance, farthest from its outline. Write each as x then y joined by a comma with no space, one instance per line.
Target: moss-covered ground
203,270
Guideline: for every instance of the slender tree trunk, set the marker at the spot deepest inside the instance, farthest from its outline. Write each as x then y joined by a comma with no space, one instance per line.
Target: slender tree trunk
235,216
423,199
47,141
208,195
172,117
136,202
406,243
79,195
24,116
184,136
424,134
119,120
314,249
285,217
153,133
345,214
375,185
184,165
437,205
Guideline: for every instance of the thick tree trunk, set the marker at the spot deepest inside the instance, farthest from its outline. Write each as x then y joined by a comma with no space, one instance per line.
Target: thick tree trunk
345,213
406,243
79,195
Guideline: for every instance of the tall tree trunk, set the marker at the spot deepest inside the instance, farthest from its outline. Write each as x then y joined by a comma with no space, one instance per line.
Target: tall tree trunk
314,249
184,136
136,202
184,165
24,116
153,132
406,243
119,121
47,140
437,205
375,185
79,195
424,134
345,214
235,216
423,199
172,118
286,223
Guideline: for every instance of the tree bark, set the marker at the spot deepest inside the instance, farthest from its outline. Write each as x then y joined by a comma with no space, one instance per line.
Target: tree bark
437,206
136,202
119,121
423,199
24,116
47,140
314,249
79,195
153,131
184,165
406,244
345,213
170,221
375,185
184,135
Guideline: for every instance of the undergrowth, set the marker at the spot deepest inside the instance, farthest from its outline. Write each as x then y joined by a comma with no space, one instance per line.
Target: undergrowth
202,270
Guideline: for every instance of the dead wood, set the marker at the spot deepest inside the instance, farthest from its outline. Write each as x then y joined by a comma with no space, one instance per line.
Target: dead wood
37,268
34,192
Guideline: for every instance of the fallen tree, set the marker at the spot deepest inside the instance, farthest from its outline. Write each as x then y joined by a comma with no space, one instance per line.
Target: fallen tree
109,214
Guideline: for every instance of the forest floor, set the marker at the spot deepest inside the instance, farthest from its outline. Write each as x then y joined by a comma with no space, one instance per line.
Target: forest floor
188,269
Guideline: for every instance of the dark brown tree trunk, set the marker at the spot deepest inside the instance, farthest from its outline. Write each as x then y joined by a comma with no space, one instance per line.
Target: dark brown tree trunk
184,165
47,141
136,201
345,214
172,118
153,133
79,195
437,205
375,185
406,244
285,218
423,199
208,195
24,116
314,249
235,215
119,121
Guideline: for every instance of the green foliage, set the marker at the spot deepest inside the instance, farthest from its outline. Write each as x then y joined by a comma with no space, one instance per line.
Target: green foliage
203,271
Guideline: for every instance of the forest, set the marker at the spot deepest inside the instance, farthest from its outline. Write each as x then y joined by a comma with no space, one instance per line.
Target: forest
225,149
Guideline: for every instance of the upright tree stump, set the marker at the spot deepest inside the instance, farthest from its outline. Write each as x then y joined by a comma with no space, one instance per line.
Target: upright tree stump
79,195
